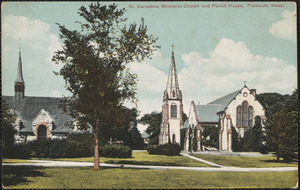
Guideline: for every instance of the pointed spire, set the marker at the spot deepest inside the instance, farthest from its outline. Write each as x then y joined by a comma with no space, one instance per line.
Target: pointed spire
172,85
19,71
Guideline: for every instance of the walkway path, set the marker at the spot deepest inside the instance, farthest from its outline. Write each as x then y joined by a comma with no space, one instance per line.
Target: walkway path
90,164
201,160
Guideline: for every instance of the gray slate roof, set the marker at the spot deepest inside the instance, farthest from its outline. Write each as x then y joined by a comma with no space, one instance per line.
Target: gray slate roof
28,108
225,100
208,113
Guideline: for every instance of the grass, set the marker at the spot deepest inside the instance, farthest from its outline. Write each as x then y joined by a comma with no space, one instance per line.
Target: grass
8,160
143,158
247,162
26,177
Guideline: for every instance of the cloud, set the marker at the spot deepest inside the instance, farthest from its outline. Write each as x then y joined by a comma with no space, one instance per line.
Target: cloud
38,45
226,69
285,28
206,79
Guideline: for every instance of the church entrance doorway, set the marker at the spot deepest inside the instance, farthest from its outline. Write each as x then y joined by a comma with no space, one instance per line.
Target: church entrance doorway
42,132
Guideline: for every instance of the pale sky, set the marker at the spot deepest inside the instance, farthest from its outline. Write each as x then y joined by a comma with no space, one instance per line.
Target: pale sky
216,48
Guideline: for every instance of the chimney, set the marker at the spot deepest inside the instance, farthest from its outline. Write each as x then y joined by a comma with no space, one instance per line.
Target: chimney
253,92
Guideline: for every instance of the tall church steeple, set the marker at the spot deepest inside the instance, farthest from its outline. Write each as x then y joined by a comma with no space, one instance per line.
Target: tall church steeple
172,108
19,83
172,84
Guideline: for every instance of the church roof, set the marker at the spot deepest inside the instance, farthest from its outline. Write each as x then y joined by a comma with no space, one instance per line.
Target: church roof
19,71
208,113
28,108
225,100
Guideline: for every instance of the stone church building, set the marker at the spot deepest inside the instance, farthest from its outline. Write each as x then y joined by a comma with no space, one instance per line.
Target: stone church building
237,109
37,117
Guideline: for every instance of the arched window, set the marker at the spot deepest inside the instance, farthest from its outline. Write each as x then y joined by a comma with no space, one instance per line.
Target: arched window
173,93
239,116
173,111
42,132
250,116
244,116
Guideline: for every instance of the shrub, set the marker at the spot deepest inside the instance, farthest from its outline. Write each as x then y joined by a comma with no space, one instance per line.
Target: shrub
79,145
40,148
169,149
18,151
115,151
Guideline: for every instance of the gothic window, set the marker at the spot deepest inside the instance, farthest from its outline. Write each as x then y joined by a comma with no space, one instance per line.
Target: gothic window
244,116
239,116
42,132
173,111
173,138
173,93
250,116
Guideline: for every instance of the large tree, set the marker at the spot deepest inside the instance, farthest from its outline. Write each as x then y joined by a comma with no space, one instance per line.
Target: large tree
94,65
283,134
282,123
153,120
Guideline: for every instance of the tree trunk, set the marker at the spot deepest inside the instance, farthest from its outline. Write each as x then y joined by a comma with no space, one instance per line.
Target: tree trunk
96,150
110,141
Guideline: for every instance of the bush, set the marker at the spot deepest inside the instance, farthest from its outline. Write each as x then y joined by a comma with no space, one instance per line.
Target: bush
169,149
79,145
18,151
76,145
115,151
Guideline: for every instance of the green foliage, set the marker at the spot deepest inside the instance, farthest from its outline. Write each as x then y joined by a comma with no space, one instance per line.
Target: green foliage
23,150
252,140
212,132
195,142
76,145
94,67
153,120
135,140
190,139
236,145
79,145
283,134
115,151
169,149
182,137
7,127
282,123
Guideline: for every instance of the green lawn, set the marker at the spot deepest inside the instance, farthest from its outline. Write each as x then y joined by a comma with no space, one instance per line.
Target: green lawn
27,177
8,160
245,162
143,158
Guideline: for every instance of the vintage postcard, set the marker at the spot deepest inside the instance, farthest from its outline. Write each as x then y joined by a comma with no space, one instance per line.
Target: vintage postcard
138,95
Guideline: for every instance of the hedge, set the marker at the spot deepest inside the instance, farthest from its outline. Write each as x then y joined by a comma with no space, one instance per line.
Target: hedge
169,149
76,145
115,151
